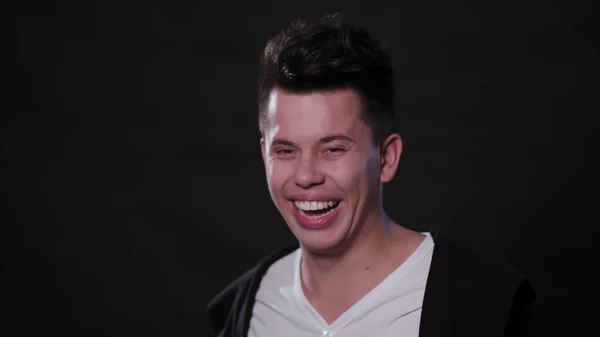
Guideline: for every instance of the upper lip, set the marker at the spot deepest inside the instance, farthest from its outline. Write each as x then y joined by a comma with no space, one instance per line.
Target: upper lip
314,197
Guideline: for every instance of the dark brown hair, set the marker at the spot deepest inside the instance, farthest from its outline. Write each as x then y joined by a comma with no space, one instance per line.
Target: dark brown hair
326,55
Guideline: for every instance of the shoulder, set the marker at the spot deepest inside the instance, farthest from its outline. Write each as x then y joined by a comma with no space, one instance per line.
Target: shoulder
464,261
481,291
237,297
477,271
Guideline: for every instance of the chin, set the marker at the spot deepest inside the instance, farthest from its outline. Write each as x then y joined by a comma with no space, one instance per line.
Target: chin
321,241
321,246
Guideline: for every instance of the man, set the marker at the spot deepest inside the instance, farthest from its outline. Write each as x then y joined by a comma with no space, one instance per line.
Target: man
326,105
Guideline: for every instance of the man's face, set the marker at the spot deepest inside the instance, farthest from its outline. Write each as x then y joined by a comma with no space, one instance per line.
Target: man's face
323,169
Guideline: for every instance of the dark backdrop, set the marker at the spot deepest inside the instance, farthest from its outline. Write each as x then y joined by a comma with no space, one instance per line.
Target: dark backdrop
132,174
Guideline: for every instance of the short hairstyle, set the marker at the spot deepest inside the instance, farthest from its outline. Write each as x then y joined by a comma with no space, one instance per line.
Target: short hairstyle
326,55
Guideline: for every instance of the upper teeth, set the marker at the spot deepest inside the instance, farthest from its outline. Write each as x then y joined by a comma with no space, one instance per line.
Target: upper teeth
314,205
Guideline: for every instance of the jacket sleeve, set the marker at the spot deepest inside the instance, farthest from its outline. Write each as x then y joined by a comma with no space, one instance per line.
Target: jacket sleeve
229,312
220,308
521,321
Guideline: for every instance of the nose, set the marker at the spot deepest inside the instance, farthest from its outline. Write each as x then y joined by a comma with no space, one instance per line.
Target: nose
307,173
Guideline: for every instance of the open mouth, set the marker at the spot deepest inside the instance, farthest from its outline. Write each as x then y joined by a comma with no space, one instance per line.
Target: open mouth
316,209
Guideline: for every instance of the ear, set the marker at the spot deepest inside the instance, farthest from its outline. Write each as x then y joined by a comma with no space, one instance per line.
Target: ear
391,149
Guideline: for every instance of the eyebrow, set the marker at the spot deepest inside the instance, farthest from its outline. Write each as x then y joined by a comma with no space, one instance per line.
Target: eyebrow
332,138
324,140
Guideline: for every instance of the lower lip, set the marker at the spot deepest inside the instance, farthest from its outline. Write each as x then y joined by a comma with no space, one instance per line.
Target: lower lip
318,223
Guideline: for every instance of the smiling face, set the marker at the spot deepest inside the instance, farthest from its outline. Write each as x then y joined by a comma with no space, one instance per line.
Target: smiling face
323,168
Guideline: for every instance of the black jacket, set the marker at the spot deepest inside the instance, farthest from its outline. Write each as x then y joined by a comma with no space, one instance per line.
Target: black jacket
467,294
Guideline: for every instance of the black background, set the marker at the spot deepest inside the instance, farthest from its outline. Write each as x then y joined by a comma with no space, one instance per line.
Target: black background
132,174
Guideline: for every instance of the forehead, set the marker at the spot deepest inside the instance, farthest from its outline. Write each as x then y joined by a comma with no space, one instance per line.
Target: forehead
309,115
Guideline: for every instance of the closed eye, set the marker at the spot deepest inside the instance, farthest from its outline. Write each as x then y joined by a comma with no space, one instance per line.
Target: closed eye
284,152
336,149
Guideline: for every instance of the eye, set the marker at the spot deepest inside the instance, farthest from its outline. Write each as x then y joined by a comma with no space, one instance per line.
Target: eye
336,150
284,152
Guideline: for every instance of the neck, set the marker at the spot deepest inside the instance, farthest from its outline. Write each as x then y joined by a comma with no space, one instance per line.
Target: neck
377,249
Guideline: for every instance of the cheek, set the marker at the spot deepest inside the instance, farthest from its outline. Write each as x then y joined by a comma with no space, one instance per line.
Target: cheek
373,169
277,175
346,174
355,174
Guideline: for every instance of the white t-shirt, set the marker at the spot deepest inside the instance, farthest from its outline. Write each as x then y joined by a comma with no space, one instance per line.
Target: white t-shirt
392,308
